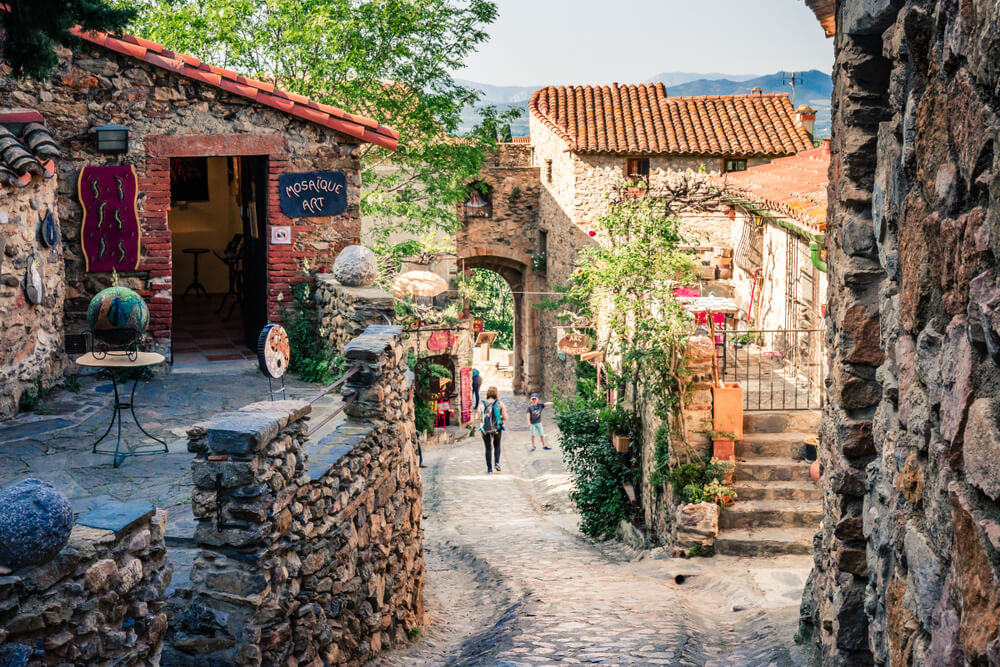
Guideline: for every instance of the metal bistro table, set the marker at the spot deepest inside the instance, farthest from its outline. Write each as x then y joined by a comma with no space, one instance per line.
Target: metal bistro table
115,364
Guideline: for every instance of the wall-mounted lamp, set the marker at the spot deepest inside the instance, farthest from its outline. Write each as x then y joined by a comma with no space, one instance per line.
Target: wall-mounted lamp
112,138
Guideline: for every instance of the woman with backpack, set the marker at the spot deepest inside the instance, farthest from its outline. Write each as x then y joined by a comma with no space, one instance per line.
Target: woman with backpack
492,415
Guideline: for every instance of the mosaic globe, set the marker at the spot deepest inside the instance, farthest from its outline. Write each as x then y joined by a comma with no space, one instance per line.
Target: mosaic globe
117,315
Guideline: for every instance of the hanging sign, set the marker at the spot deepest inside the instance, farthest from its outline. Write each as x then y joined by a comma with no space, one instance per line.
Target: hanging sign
465,394
478,325
311,194
110,234
574,343
441,340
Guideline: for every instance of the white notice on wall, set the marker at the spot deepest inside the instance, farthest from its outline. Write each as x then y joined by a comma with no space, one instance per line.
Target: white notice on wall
281,235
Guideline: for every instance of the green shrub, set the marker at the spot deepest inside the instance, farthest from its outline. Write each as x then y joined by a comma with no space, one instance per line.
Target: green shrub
599,472
311,359
693,493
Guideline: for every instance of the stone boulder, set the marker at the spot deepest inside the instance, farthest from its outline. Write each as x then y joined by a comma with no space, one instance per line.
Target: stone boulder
355,266
35,523
697,525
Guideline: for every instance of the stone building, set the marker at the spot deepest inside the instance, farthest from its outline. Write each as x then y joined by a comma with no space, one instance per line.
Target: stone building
211,151
907,563
30,318
583,140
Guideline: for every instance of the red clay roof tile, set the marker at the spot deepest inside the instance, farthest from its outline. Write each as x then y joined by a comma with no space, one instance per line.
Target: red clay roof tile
264,92
792,186
642,119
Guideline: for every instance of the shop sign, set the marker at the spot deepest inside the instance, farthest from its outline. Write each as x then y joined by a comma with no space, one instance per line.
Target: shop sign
574,343
440,341
478,325
109,234
465,394
311,194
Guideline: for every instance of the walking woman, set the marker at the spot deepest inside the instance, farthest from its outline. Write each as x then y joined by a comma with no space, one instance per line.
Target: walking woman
492,415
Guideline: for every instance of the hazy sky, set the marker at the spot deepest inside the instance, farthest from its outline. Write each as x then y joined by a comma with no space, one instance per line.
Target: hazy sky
540,42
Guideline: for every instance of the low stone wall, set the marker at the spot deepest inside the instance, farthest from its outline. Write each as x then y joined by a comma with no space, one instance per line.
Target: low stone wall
99,602
31,335
311,552
345,312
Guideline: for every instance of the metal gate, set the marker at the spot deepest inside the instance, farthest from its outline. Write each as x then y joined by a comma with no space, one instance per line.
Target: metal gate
777,369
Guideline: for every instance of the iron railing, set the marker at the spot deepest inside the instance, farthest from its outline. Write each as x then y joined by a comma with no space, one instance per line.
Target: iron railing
777,369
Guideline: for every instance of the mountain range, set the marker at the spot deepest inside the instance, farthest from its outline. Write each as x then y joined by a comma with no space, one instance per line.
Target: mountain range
812,87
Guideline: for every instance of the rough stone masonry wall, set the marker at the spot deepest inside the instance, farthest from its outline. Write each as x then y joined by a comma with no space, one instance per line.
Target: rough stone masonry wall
30,335
168,116
345,312
311,553
908,558
99,602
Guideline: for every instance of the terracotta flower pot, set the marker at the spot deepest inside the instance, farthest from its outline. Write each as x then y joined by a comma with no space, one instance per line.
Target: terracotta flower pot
728,501
814,471
727,409
621,442
724,449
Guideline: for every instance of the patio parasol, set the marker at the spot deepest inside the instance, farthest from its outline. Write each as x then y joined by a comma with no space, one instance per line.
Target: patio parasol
418,283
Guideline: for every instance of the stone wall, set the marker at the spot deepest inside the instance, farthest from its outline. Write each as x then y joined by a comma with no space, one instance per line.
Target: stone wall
311,553
31,335
99,602
171,116
345,312
906,563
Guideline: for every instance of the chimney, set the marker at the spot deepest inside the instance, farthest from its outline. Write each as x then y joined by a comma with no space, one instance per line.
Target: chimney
807,118
757,90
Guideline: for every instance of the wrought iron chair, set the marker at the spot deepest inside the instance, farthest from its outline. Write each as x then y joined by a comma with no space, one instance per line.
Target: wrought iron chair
232,257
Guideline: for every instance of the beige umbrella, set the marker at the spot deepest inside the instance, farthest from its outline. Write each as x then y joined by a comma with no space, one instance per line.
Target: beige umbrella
418,283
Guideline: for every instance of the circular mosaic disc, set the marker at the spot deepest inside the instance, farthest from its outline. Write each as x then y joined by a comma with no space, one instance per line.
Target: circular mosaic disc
273,351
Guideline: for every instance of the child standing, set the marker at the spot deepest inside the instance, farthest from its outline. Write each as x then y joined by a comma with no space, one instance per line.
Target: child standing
535,420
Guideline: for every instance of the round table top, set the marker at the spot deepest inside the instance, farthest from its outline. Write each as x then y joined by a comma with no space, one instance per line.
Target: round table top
121,360
195,251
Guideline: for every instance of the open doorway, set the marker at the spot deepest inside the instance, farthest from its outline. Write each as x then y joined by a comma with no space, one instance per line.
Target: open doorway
217,227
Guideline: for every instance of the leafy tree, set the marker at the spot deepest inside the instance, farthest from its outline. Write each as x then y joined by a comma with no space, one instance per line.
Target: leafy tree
387,59
490,297
31,29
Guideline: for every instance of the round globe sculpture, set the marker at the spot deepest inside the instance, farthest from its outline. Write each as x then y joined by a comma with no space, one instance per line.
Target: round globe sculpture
117,315
35,523
355,266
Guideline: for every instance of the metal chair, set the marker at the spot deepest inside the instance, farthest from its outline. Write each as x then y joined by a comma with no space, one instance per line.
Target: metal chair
232,257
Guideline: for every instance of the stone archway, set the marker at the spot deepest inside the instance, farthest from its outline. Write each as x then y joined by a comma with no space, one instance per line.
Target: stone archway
518,276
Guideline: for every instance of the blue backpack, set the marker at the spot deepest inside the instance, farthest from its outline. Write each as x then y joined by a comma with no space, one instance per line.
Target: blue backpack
492,418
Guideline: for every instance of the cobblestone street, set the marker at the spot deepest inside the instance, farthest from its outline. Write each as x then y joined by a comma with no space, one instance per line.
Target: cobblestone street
512,581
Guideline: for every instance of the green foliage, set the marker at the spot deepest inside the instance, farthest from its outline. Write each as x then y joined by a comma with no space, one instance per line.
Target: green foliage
423,415
699,481
694,551
661,458
72,382
585,429
693,493
539,262
410,314
311,359
33,396
413,633
391,60
33,29
489,296
714,435
717,469
717,492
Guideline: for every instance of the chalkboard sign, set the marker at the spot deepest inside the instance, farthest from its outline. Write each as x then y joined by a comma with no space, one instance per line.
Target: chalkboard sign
310,194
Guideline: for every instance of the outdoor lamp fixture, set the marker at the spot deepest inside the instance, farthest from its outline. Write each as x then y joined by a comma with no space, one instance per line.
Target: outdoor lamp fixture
112,138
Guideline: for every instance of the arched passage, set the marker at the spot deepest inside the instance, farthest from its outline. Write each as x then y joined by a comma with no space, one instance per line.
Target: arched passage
518,276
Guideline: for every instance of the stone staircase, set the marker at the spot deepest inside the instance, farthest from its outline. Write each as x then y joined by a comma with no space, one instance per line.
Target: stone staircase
779,506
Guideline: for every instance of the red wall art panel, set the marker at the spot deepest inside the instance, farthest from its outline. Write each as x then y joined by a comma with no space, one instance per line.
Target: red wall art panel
110,231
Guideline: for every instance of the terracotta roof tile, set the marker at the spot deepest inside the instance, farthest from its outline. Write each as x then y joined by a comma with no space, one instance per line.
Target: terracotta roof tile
26,148
642,119
264,92
792,186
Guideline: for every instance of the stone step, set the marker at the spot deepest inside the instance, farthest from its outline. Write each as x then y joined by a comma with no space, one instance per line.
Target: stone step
787,445
765,542
777,469
781,421
770,514
802,491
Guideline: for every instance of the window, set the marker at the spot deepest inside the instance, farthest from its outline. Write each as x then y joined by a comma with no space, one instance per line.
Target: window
736,165
480,201
548,170
637,168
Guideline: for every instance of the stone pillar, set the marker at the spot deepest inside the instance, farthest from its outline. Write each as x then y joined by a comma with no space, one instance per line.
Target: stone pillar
311,552
345,312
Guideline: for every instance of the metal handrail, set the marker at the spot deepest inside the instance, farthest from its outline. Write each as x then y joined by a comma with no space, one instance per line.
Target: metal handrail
326,390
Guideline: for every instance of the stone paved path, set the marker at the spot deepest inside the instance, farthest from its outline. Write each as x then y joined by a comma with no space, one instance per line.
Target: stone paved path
512,582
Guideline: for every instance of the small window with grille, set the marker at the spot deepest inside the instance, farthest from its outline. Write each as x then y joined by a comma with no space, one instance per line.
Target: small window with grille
736,165
637,169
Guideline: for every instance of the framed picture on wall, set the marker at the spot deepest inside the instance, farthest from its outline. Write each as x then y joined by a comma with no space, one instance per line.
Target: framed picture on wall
188,179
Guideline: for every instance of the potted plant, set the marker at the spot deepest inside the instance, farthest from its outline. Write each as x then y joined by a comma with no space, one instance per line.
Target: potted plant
723,445
811,443
721,494
720,470
727,408
620,425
